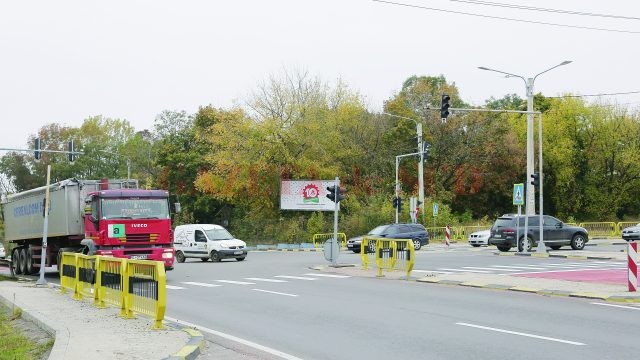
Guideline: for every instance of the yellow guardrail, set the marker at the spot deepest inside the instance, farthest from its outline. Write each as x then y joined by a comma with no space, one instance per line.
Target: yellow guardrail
625,224
319,240
600,229
389,254
135,286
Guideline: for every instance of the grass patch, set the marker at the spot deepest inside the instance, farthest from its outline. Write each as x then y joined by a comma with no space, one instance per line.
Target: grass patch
7,278
13,344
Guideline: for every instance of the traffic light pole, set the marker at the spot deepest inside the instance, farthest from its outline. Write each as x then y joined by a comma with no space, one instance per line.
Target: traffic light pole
334,245
542,248
398,182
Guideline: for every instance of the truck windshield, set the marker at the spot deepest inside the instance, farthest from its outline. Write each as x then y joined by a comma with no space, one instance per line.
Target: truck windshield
138,208
218,234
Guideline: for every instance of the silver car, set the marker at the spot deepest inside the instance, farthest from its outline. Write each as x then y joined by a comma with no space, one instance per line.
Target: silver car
479,238
631,233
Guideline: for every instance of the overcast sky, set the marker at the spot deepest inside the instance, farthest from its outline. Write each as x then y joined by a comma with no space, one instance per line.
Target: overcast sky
63,61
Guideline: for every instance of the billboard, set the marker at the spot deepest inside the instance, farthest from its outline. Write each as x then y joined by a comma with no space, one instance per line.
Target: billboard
308,195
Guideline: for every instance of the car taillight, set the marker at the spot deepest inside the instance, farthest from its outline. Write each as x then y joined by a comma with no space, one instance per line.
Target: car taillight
509,231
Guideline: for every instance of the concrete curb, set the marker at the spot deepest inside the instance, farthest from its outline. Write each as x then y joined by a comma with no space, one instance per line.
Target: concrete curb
60,334
192,349
604,297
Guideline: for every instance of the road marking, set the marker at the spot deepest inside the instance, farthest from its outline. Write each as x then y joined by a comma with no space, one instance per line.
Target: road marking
518,267
433,271
236,339
461,270
557,270
484,268
235,282
199,284
275,292
618,306
521,334
267,280
330,275
171,287
295,277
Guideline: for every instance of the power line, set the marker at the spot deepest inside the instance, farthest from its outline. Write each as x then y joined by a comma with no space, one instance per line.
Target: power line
532,8
506,18
602,94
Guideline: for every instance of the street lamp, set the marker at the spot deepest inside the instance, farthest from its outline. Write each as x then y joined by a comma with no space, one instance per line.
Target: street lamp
420,164
528,82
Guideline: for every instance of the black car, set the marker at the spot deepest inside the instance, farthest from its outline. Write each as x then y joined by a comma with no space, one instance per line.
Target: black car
555,233
631,233
416,232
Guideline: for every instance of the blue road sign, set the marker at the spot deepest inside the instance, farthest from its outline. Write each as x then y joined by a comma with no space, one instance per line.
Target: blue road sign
518,194
435,209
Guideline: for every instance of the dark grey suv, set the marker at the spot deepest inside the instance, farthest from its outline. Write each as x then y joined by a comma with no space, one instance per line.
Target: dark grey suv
555,233
416,232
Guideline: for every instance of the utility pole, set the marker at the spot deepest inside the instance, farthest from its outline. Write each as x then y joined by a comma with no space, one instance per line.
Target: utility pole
420,204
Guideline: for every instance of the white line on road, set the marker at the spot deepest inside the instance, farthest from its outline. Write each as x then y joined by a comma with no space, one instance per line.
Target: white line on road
618,306
520,333
519,267
484,268
433,271
236,282
275,292
330,275
174,287
267,280
199,284
236,339
295,277
556,271
461,270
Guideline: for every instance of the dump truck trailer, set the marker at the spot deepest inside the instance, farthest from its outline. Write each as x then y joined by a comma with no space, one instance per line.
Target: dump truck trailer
103,217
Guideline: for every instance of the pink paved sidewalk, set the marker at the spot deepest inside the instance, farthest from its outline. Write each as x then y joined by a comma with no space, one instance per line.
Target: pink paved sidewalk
601,276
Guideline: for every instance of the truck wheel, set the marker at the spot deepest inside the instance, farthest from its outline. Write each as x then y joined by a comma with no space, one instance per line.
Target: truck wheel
180,256
215,257
29,261
15,261
23,261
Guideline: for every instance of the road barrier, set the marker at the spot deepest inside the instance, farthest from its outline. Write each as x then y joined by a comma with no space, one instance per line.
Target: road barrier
135,286
319,240
389,254
632,261
600,229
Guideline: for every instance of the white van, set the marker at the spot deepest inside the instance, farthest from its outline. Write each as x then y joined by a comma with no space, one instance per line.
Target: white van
207,241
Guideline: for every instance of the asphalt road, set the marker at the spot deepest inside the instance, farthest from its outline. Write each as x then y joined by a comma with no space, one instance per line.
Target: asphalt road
275,301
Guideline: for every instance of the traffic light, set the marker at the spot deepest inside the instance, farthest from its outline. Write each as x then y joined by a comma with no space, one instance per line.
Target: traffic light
444,108
536,179
399,204
37,154
336,193
72,149
395,202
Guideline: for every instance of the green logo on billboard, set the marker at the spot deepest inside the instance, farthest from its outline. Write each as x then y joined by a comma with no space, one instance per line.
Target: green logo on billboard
116,230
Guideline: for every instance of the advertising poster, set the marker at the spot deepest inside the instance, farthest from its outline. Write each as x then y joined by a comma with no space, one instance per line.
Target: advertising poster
308,195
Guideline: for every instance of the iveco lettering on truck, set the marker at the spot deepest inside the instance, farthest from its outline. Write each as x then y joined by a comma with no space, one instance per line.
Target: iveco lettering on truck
101,217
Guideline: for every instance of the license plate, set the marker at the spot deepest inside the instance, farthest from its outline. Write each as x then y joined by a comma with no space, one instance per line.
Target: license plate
138,257
237,252
497,236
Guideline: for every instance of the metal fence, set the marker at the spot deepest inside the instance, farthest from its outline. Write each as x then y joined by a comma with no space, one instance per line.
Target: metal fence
319,240
135,286
388,254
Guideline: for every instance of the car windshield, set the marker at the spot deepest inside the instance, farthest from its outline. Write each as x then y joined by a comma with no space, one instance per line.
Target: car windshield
218,234
138,208
378,230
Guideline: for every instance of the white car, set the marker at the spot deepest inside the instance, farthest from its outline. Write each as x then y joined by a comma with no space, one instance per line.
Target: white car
3,253
479,238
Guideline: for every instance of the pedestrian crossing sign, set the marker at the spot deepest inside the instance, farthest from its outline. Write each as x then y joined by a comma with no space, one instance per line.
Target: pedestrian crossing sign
518,194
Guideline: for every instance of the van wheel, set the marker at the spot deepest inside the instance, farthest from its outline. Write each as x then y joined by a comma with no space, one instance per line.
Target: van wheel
578,242
180,256
215,257
204,259
240,258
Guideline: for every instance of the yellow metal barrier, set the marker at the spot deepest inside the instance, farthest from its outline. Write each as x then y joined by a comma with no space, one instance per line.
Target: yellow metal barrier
135,286
623,225
86,276
146,284
385,250
437,233
68,272
404,256
319,240
368,250
600,229
109,283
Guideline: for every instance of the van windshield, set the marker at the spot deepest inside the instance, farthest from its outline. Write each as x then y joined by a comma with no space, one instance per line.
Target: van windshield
218,234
